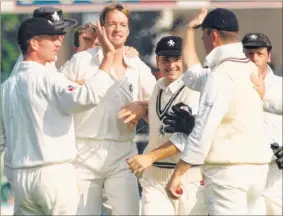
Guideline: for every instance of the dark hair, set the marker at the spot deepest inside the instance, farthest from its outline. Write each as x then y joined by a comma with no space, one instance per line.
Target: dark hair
81,29
24,47
110,8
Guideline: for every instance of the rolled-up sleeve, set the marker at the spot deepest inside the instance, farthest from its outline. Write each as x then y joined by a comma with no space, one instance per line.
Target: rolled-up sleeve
213,106
73,98
195,77
272,101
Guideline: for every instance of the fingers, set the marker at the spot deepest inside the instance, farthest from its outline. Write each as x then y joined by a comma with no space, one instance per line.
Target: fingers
124,113
169,129
279,162
279,153
172,194
170,122
134,165
131,52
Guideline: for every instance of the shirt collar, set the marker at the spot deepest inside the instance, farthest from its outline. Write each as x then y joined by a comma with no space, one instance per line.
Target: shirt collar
27,64
98,56
218,54
173,87
269,74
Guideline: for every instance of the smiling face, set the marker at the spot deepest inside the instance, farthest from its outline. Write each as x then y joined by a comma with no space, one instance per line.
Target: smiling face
117,27
171,67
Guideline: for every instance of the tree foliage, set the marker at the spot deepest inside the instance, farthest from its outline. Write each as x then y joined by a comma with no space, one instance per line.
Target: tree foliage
9,46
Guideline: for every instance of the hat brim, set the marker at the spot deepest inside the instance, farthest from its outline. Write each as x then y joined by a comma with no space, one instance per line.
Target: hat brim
169,53
68,23
255,44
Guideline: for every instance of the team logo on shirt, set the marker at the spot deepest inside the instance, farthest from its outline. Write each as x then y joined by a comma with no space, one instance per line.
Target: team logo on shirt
161,130
71,88
131,88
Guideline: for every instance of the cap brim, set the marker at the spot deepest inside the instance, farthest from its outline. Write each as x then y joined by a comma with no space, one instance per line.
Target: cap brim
68,23
169,53
255,44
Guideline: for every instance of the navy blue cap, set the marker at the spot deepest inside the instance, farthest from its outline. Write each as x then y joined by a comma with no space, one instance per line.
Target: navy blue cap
254,40
55,15
36,26
169,46
220,19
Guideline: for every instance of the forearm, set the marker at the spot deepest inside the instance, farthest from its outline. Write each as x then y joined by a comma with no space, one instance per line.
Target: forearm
189,54
168,149
107,62
181,168
145,106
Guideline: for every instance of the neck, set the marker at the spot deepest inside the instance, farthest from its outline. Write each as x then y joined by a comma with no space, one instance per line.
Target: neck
118,58
264,73
35,58
167,81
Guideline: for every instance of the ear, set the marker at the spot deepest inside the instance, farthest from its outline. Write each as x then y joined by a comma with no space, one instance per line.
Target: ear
34,44
269,57
214,35
128,32
157,61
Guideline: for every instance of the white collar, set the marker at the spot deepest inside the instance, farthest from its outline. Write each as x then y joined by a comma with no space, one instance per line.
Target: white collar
173,87
28,64
269,74
218,54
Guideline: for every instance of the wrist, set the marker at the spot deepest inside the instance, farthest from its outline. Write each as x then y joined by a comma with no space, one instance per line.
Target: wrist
152,156
109,54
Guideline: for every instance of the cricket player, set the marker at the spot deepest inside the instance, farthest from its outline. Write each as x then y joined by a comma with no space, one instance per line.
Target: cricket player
85,38
103,141
228,136
55,16
158,161
37,127
258,49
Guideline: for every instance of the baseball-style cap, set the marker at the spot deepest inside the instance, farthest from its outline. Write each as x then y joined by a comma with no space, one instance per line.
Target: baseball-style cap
169,46
36,26
220,19
55,15
256,40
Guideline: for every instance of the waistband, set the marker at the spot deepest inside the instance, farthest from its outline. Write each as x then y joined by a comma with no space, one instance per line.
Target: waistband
79,139
163,175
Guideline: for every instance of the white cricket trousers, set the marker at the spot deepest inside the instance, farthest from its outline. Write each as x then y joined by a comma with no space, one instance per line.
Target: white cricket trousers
47,190
234,189
101,164
271,198
156,202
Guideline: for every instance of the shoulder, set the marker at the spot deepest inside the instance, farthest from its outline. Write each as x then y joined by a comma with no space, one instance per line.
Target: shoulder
86,55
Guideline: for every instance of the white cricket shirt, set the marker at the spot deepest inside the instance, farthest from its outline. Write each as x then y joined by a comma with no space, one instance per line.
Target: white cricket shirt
102,121
37,121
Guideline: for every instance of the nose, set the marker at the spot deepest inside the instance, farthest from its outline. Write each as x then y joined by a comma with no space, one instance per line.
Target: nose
253,57
171,65
117,28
